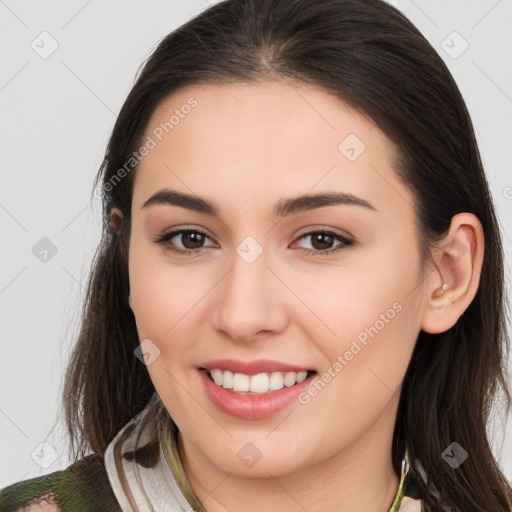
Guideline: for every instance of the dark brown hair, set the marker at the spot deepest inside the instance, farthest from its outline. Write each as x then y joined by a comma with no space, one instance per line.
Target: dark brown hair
371,56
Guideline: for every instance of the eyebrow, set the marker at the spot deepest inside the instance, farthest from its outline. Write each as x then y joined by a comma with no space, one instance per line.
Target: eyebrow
282,208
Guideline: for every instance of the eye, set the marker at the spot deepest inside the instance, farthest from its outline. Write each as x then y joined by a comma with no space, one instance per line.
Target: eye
322,240
191,239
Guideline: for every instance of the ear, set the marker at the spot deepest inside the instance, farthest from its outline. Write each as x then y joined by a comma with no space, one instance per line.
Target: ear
116,218
459,262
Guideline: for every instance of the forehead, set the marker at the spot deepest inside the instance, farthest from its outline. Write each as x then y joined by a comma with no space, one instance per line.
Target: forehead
271,139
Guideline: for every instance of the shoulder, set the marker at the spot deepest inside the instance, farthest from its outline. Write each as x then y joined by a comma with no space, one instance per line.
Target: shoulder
84,486
43,503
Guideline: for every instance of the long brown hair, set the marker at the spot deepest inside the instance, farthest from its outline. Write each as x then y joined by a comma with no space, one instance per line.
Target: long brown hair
371,56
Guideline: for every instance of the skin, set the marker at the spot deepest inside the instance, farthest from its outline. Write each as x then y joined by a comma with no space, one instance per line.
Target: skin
245,147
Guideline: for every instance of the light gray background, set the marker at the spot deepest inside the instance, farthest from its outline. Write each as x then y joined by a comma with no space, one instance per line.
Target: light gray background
56,116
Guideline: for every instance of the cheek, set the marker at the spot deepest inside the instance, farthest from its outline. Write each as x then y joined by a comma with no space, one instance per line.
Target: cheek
369,295
371,321
162,293
365,369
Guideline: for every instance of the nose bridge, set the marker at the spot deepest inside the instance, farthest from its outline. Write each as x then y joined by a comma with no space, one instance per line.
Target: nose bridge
250,297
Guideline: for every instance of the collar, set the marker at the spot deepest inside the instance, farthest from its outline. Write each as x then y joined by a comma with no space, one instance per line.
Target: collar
142,487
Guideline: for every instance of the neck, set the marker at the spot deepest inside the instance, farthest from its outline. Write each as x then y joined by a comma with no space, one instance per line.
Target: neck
360,477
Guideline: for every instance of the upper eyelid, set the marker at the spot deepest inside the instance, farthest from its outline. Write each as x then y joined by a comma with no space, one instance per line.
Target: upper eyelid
181,231
307,230
304,234
324,229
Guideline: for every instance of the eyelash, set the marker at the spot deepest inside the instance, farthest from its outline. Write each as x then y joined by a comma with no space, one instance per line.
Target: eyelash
345,242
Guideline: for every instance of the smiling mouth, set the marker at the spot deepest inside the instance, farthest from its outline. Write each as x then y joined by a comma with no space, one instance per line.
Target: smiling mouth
257,384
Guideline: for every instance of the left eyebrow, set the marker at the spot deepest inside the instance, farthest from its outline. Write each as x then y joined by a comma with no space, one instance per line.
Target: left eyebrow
311,201
282,208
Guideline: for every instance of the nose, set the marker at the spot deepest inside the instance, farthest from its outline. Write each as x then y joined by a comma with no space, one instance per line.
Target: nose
250,303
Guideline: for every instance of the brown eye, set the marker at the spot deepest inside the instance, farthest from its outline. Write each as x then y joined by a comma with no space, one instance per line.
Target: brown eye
321,242
192,241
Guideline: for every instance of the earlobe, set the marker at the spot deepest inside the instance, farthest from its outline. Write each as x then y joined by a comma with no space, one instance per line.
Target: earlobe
116,219
453,284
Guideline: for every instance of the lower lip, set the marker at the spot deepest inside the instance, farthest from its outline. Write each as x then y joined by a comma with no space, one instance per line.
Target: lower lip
252,407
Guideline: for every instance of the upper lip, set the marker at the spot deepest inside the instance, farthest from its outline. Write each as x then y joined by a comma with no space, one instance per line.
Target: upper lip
252,367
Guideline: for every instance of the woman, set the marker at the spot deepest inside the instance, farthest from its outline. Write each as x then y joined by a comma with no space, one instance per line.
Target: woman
298,298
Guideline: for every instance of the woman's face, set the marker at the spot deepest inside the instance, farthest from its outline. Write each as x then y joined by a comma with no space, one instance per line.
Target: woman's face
329,288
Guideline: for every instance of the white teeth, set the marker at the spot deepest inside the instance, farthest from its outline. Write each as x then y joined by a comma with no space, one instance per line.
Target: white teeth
217,376
241,382
260,383
226,379
276,381
289,379
301,376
